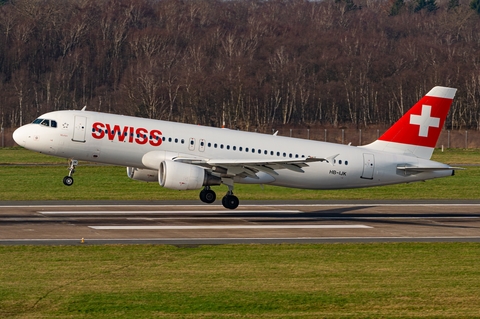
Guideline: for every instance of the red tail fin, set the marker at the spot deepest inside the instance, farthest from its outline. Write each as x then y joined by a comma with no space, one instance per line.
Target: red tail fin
417,131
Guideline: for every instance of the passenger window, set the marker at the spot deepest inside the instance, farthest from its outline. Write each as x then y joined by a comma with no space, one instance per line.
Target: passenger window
234,148
346,162
340,162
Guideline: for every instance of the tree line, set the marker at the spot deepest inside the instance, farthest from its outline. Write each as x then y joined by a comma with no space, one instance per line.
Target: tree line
246,63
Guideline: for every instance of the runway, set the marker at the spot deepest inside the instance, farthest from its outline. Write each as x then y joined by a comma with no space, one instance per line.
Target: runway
191,223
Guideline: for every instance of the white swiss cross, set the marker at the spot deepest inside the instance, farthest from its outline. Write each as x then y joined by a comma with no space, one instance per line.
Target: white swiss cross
425,120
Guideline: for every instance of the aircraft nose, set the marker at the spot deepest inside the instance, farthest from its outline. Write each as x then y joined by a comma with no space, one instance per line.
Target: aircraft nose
20,136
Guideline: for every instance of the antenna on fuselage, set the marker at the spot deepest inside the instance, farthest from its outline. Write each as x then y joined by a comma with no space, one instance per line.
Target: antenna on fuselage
84,108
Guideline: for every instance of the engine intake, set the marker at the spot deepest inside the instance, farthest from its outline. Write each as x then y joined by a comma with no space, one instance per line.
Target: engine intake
181,176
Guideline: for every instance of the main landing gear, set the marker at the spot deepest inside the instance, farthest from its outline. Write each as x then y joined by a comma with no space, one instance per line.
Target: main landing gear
229,201
68,180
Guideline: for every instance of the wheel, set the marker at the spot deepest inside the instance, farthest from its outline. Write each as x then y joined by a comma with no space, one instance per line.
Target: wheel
207,196
230,201
68,180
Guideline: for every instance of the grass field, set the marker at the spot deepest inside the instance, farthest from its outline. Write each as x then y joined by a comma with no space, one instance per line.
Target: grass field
241,281
101,182
406,280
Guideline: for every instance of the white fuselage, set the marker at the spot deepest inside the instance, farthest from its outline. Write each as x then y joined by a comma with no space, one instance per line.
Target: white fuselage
124,140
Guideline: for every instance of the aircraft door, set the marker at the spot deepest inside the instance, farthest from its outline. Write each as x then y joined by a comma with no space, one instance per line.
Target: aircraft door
191,144
368,166
79,129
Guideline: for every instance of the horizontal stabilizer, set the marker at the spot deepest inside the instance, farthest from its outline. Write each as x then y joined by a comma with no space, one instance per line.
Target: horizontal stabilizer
418,169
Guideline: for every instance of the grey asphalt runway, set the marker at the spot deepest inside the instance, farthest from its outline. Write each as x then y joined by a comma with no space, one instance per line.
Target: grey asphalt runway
193,223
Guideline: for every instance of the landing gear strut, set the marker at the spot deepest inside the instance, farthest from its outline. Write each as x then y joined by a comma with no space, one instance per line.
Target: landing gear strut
68,180
207,195
229,201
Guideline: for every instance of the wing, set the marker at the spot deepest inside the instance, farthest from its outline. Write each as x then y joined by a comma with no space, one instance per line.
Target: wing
249,168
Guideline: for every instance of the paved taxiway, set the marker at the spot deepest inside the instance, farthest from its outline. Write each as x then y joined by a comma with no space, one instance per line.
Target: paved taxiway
191,223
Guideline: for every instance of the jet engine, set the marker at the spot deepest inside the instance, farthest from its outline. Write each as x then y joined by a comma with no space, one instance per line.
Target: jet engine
181,176
144,175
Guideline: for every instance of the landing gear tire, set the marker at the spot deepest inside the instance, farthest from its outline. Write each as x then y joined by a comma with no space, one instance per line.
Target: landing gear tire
68,180
230,201
208,196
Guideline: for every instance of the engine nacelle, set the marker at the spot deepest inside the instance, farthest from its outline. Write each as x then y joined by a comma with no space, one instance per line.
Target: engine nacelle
181,176
144,175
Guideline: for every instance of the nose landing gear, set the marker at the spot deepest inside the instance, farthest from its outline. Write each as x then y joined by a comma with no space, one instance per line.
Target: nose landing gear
68,180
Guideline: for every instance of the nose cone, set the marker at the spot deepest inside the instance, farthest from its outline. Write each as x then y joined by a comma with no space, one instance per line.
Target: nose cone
20,136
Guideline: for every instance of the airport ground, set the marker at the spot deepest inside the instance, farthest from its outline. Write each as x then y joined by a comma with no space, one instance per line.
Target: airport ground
188,222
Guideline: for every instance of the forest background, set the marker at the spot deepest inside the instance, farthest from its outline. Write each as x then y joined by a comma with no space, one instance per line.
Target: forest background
249,63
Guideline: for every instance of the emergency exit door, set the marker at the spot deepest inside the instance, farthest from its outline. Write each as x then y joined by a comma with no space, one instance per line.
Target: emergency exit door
368,166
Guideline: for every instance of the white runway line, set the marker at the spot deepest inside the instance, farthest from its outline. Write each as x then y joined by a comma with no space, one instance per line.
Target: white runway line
207,227
160,212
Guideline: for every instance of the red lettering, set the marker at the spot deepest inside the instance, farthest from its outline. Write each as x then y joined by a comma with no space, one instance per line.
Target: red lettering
142,137
122,135
131,132
97,130
112,132
156,137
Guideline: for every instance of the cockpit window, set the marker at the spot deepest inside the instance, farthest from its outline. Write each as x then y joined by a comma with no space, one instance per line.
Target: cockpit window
45,122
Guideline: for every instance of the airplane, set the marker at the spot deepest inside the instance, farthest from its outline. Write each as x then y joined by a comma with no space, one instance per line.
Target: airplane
186,157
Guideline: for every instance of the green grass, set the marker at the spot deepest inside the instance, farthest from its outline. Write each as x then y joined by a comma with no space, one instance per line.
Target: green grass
241,281
407,280
100,182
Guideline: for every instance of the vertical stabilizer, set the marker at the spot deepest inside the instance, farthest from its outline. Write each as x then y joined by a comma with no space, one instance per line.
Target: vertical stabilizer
416,133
